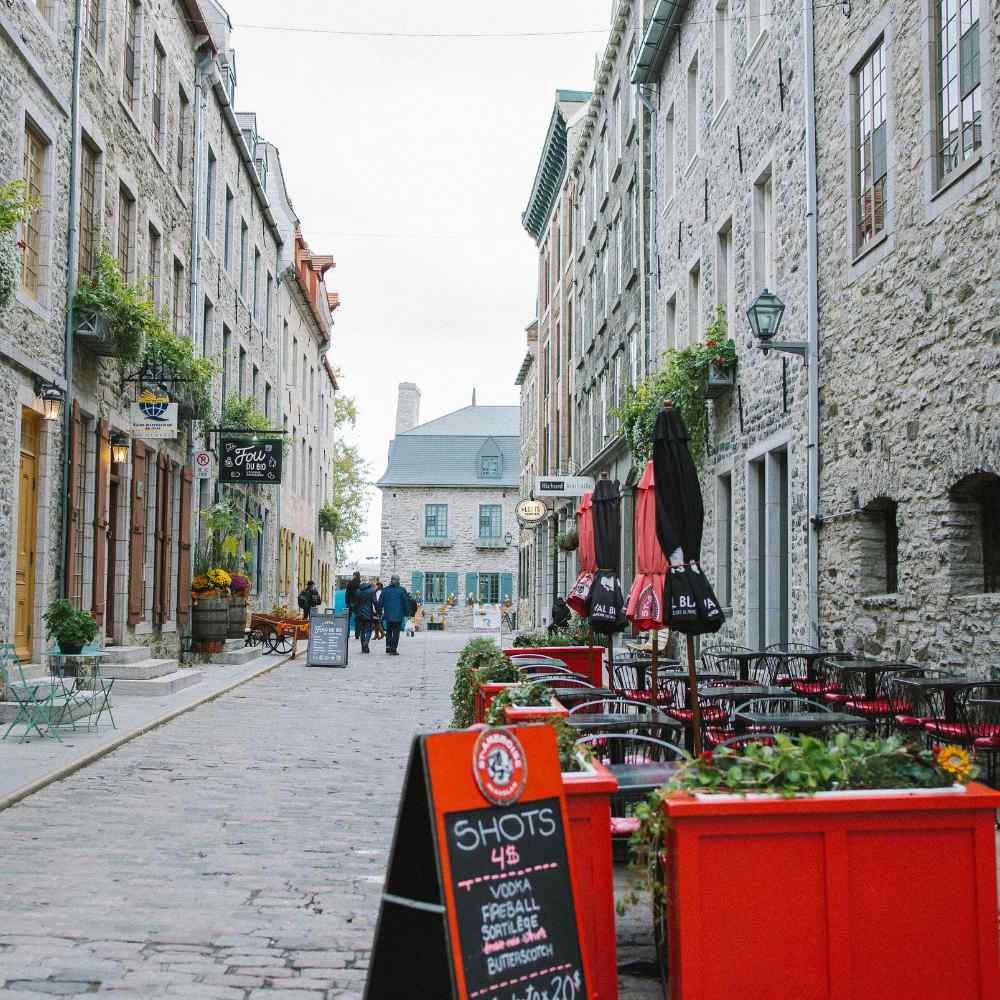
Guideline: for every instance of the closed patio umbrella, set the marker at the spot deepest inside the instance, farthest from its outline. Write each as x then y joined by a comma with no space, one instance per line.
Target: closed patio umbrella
606,601
690,606
579,596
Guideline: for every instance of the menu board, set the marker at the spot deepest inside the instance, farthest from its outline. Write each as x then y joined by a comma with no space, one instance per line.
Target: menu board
514,902
328,634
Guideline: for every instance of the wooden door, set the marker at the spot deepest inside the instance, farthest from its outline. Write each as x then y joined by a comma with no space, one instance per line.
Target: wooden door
27,524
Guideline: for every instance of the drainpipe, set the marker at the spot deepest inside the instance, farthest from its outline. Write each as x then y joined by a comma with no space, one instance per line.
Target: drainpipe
73,264
198,207
812,319
651,270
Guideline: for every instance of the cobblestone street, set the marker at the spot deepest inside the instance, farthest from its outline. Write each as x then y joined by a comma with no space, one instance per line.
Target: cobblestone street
237,852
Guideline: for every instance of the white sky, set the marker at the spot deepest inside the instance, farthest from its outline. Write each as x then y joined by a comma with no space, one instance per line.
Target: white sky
411,160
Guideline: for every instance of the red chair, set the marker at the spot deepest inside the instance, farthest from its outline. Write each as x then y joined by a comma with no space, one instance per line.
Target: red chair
884,704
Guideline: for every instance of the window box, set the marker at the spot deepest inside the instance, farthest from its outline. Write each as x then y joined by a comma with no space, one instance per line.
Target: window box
490,543
92,331
720,381
435,543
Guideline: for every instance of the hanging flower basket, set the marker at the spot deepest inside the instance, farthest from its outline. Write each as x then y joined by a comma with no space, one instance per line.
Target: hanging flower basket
721,379
92,330
568,542
8,267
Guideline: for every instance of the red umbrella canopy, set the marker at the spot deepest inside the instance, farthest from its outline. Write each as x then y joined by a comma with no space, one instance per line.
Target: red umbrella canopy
585,532
645,599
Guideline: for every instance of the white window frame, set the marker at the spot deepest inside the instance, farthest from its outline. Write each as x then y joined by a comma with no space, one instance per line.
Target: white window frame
725,271
619,261
758,21
33,117
669,155
693,84
695,309
763,231
670,321
722,58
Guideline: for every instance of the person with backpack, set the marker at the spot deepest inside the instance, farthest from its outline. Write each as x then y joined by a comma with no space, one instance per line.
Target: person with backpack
308,599
366,611
351,599
395,605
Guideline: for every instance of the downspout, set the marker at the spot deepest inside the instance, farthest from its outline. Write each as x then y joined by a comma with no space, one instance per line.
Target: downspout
198,207
73,264
278,422
651,222
812,319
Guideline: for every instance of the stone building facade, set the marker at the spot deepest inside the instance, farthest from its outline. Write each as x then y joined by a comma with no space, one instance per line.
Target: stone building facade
448,498
528,579
729,200
907,130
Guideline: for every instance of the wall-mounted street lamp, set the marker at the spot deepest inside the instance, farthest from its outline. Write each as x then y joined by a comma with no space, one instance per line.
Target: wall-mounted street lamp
765,315
52,398
119,448
508,539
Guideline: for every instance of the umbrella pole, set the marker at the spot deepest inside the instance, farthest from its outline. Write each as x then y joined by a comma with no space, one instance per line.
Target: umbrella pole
696,743
654,670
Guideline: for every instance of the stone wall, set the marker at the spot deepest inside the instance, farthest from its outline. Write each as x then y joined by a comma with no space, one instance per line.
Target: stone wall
909,369
403,528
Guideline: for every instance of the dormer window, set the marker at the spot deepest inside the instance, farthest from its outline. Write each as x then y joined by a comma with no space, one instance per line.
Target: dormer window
489,466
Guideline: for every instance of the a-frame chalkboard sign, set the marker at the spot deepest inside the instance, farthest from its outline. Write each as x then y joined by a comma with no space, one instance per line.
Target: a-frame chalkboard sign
479,900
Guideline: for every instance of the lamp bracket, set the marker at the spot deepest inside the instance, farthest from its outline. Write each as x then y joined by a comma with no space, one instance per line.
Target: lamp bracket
799,347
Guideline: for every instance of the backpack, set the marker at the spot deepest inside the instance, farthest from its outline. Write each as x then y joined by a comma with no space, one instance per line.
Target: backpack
304,601
410,604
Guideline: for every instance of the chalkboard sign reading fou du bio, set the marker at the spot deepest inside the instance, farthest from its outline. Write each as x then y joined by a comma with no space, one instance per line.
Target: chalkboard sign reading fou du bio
479,900
244,460
328,635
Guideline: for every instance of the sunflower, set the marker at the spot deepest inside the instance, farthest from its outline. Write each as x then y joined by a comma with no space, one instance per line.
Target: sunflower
955,761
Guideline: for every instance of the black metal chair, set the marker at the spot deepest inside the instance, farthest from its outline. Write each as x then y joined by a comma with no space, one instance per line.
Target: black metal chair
786,670
544,670
562,681
881,700
719,659
740,743
635,682
977,726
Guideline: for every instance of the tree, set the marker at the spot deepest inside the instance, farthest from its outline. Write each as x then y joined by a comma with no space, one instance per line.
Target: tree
349,503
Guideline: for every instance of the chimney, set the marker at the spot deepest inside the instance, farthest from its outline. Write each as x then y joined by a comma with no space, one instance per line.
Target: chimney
407,407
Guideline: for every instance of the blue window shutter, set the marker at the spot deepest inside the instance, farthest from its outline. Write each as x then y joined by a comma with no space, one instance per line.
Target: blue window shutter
417,584
506,586
471,586
451,585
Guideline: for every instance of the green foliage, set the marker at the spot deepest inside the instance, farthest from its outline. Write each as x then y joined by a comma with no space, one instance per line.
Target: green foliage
15,205
568,541
479,662
176,354
243,413
328,519
522,695
68,626
351,484
576,633
228,526
569,752
682,379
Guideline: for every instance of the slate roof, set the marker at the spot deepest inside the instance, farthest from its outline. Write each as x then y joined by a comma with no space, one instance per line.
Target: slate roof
446,451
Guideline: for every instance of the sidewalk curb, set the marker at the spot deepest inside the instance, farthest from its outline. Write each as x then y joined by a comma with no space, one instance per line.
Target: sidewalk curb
67,769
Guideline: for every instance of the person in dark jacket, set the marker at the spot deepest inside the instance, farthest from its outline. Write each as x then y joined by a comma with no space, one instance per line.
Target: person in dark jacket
351,599
394,603
560,614
366,611
309,599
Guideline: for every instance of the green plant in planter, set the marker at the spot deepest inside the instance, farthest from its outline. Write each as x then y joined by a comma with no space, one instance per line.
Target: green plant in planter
521,695
72,629
575,633
569,752
166,350
568,541
682,379
227,525
329,519
243,413
479,662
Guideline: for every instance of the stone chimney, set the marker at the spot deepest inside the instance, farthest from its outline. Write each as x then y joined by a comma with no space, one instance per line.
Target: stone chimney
407,407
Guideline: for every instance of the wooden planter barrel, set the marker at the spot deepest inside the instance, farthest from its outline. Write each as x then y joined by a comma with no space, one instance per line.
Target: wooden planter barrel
237,618
210,620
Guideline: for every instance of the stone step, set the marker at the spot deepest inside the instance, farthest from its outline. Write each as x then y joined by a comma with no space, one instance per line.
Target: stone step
234,644
141,670
157,687
126,654
9,709
236,657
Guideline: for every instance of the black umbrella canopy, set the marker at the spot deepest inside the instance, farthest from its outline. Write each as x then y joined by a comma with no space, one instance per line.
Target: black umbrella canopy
607,515
680,513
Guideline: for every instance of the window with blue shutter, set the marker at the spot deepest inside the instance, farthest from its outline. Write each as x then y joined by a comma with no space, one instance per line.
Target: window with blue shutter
471,585
506,586
451,585
417,585
489,588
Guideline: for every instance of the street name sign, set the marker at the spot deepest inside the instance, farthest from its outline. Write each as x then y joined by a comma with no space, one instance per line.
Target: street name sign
480,896
328,635
530,512
244,460
563,486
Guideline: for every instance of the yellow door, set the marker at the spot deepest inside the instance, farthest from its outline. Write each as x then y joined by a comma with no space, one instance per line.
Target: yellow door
27,524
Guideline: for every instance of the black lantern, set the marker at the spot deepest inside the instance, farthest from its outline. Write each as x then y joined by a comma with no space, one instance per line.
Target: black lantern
119,448
508,539
765,315
52,398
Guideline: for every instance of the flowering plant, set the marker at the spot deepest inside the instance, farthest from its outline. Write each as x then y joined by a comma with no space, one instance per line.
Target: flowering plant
219,579
239,584
201,583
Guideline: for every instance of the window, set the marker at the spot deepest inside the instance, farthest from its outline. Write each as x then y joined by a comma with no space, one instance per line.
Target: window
669,158
633,102
593,304
724,540
557,339
605,161
757,18
958,83
241,372
182,127
628,226
670,324
177,305
870,156
227,350
724,270
153,265
157,102
210,196
243,258
626,115
207,323
89,221
693,122
763,236
615,120
581,208
636,230
878,549
269,291
92,23
130,82
489,588
227,236
435,588
35,152
593,189
604,406
694,304
490,520
256,283
436,520
126,212
569,331
973,521
254,378
602,281
721,67
267,400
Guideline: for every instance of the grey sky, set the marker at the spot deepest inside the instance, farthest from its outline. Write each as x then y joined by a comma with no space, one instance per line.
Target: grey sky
410,160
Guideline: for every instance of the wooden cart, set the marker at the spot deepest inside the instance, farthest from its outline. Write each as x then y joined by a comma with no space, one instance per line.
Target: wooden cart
278,634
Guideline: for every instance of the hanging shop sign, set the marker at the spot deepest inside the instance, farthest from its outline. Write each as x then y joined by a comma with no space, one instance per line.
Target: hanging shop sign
530,512
244,460
154,416
563,486
480,899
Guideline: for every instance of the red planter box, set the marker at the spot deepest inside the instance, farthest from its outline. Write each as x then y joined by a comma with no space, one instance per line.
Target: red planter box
484,698
866,897
517,715
586,660
588,804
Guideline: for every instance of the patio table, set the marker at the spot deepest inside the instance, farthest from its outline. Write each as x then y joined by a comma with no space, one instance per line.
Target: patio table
871,670
614,722
744,693
642,667
642,777
799,722
86,679
584,694
948,686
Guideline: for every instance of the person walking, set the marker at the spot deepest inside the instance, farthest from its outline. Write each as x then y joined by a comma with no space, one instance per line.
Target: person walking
351,599
366,611
378,626
560,615
309,599
396,604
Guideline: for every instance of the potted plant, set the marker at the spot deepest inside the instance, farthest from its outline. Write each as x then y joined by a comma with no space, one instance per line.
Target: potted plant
239,590
15,206
866,843
209,604
721,375
524,702
329,519
72,629
174,355
479,662
571,645
111,316
568,541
